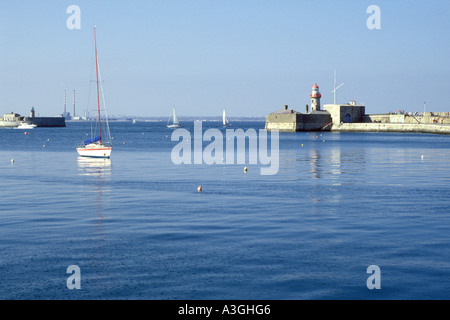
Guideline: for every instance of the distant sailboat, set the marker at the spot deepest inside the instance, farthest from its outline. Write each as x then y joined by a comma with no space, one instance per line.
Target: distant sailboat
98,146
224,118
173,120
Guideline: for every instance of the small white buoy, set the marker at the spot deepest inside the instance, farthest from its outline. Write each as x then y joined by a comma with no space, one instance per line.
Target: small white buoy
12,160
199,188
245,169
43,145
421,157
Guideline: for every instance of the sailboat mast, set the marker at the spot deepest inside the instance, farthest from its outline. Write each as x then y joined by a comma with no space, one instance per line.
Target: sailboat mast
98,96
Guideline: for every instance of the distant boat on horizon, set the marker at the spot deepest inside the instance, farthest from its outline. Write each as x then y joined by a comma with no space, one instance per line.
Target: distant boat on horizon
173,120
98,146
224,118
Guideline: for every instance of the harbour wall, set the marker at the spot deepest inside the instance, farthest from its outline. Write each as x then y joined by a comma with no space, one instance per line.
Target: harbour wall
289,121
423,118
9,124
47,121
392,127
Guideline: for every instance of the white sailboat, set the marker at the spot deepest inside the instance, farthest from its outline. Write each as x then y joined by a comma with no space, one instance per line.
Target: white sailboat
173,120
224,118
98,146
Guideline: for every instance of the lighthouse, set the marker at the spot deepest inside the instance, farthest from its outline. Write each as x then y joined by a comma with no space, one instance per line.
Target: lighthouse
315,98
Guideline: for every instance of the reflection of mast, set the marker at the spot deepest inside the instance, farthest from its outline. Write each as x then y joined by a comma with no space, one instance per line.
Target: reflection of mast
100,171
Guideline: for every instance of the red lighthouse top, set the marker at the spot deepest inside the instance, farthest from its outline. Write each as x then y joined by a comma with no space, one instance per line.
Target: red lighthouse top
315,91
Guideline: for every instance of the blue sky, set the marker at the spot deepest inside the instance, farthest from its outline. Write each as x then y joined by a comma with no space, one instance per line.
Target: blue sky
250,57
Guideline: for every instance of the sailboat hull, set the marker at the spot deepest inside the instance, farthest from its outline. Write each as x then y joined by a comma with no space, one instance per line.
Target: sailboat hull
95,151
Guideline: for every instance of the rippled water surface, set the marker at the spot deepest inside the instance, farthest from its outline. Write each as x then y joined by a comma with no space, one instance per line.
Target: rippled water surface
138,229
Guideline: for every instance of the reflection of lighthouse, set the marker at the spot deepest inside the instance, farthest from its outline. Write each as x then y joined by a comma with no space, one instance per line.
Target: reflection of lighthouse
315,98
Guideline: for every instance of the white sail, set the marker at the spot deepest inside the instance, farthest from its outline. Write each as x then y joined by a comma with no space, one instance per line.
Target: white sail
173,120
224,118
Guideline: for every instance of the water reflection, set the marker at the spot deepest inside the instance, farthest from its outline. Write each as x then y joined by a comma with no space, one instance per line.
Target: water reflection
99,168
314,161
337,164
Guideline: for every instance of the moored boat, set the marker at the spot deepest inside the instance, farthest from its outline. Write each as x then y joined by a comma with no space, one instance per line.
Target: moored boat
98,147
26,125
173,120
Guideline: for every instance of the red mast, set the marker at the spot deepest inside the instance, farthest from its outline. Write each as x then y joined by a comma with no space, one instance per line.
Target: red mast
98,98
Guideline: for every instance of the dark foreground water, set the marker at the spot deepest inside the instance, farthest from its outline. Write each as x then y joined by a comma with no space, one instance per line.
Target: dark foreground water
138,229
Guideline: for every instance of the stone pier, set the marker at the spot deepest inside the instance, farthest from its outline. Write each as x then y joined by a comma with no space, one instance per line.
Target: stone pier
391,127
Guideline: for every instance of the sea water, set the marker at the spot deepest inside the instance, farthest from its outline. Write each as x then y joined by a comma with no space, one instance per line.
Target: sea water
137,227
